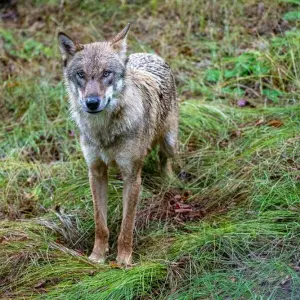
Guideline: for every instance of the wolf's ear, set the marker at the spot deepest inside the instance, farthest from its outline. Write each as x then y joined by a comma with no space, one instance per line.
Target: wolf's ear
119,42
67,47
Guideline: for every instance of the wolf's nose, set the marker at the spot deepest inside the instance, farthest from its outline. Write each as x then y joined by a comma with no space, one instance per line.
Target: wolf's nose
92,102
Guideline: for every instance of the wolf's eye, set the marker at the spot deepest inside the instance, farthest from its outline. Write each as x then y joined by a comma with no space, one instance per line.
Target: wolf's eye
80,74
106,73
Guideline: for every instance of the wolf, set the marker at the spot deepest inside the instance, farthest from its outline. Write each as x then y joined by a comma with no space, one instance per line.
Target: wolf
123,106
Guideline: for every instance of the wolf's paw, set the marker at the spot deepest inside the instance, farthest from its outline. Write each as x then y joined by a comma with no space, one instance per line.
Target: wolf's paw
97,258
124,259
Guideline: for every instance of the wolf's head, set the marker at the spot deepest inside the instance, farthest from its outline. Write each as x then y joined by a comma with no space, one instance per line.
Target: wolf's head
94,72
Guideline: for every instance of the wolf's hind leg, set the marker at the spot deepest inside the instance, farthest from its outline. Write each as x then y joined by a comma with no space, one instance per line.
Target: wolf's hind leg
167,150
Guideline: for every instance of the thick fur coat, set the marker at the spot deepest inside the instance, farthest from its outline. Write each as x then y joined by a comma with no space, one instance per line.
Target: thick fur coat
123,106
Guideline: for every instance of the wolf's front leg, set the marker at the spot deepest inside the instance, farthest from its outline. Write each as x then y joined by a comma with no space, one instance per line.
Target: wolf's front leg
98,183
131,191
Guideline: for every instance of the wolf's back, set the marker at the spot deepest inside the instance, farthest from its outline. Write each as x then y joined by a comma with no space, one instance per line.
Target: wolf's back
159,70
150,63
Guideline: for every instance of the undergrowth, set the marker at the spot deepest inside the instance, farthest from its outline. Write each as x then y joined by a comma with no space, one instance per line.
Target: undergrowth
236,65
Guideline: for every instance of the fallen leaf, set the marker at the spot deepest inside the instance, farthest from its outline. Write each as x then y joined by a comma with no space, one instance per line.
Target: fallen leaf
259,122
13,84
275,123
186,50
186,195
113,264
235,133
40,284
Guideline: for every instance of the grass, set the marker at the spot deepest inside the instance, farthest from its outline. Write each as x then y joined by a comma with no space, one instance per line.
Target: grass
236,65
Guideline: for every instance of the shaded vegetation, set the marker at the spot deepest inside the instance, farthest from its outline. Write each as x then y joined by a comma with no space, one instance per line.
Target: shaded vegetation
227,226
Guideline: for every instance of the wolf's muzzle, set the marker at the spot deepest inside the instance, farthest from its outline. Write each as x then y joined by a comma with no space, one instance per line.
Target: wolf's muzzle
94,104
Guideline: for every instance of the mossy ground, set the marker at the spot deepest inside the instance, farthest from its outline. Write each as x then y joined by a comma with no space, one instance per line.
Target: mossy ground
237,70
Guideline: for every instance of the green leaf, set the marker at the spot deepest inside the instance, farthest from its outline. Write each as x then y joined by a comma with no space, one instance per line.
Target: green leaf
213,75
233,91
291,1
231,73
292,16
271,94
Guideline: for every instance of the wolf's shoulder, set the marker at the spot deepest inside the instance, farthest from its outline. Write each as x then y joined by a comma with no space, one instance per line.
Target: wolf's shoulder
139,60
148,62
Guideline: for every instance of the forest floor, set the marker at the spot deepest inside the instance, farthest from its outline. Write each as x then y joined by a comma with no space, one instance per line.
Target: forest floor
228,225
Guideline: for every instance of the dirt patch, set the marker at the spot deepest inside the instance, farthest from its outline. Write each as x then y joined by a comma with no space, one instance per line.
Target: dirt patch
172,206
48,150
25,208
262,20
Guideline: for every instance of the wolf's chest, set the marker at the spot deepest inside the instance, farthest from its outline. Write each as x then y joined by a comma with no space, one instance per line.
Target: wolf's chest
108,137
